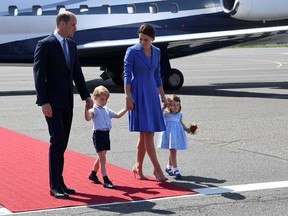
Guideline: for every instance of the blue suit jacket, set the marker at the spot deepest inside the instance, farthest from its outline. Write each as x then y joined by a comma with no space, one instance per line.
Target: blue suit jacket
53,79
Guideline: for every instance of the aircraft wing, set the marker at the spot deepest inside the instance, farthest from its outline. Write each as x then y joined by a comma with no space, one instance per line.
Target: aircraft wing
187,44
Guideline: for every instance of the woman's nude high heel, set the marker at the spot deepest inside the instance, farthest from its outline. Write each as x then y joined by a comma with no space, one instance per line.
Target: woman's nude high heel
138,175
159,177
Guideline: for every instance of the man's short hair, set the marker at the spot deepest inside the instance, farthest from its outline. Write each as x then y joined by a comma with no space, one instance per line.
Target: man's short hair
64,16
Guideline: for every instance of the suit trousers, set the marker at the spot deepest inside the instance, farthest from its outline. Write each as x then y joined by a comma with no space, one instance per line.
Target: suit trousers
59,126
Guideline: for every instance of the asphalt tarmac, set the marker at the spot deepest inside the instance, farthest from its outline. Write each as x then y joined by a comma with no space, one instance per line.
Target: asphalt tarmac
237,161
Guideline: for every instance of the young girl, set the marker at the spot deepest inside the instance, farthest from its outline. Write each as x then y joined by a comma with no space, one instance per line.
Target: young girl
174,137
101,118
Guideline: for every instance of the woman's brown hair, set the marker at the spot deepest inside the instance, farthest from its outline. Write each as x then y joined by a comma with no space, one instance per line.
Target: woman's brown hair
147,29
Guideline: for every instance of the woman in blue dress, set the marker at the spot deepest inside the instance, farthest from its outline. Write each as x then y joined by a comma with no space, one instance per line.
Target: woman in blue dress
174,137
142,86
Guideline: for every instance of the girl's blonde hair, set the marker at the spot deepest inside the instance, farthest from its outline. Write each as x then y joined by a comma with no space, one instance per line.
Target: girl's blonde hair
101,90
171,98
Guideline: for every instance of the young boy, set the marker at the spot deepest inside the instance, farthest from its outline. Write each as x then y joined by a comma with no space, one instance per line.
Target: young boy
101,118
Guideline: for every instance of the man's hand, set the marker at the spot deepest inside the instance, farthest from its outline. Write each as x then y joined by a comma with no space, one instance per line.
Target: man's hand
89,103
47,110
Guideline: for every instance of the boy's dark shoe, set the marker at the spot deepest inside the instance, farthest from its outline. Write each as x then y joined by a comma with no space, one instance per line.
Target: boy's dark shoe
94,178
108,184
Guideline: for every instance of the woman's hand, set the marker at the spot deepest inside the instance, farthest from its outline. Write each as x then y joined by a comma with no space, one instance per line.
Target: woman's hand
129,103
164,102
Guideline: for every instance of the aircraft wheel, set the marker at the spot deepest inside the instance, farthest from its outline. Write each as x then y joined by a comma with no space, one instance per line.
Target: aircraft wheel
175,80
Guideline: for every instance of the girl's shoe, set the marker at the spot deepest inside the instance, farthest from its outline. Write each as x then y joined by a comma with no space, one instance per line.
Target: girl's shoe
169,171
177,174
138,175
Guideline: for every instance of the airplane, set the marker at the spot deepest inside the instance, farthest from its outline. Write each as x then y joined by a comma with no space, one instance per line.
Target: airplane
106,28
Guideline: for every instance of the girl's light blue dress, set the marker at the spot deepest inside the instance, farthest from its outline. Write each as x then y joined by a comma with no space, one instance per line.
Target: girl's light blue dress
174,136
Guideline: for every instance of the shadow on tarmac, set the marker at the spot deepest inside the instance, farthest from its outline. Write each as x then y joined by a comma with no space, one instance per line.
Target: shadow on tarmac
217,90
134,207
198,182
226,90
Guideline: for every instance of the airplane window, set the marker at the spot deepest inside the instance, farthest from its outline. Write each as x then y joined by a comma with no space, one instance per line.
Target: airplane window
61,8
131,9
153,8
108,7
174,8
37,10
84,8
13,10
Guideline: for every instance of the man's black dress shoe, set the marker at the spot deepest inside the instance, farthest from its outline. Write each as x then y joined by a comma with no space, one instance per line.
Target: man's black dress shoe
68,190
59,194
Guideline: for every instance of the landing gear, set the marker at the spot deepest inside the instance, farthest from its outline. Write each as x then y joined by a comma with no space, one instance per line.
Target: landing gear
117,78
172,78
113,71
174,81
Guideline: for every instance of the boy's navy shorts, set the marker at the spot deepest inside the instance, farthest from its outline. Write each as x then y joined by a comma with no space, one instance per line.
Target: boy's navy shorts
101,140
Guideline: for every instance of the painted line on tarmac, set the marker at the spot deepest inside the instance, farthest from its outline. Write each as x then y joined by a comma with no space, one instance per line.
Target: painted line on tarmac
241,188
200,192
4,211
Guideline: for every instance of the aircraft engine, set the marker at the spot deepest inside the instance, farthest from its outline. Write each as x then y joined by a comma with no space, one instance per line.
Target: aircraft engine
256,10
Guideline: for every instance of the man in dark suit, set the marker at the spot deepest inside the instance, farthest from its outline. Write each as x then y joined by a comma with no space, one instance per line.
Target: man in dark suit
56,66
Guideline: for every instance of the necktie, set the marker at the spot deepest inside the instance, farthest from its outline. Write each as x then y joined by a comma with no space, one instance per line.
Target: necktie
66,54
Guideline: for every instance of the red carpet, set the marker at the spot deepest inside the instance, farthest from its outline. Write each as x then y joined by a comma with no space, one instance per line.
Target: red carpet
24,178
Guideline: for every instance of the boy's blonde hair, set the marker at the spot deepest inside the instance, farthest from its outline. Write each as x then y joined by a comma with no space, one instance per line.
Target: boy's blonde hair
171,98
101,90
